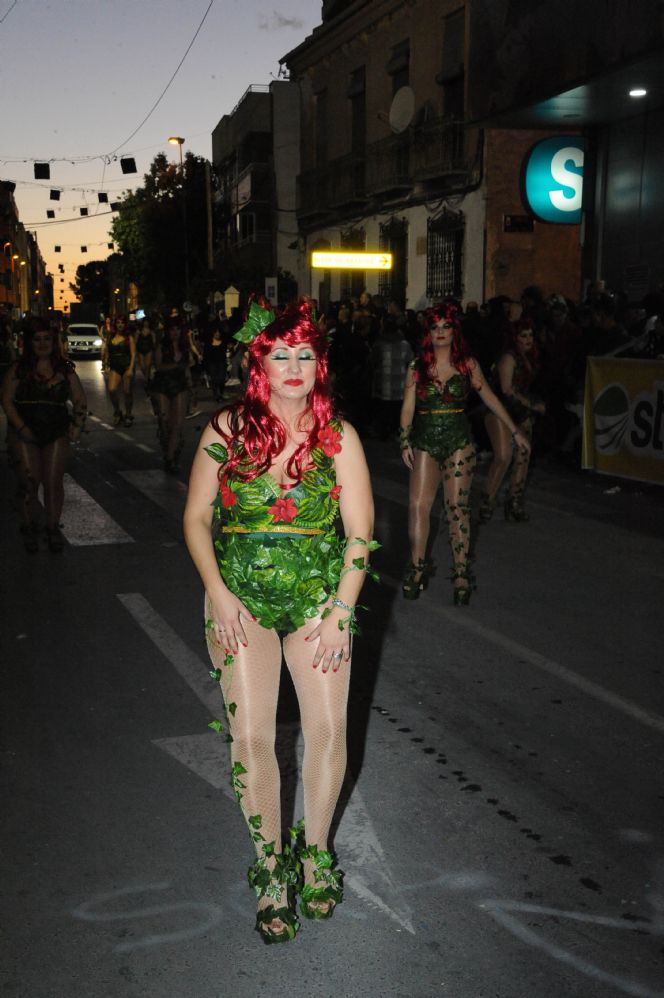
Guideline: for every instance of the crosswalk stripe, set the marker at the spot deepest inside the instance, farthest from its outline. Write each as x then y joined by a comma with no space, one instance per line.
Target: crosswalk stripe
167,492
85,523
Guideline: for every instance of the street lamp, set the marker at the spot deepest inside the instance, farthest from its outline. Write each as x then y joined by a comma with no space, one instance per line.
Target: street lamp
177,140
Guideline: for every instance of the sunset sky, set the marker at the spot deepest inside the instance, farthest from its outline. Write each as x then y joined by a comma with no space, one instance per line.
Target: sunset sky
77,77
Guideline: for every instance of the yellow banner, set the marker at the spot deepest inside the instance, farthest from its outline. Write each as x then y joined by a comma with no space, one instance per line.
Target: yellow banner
352,261
623,418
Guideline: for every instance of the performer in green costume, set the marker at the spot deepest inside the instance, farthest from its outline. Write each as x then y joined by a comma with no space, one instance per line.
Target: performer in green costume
272,478
437,444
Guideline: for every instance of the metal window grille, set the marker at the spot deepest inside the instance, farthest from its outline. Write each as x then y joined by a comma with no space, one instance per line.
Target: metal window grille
444,257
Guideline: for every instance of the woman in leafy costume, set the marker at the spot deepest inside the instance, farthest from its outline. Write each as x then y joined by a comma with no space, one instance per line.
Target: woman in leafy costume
272,476
437,444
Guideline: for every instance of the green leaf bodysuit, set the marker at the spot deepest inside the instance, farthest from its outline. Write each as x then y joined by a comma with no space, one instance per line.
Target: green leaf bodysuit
278,549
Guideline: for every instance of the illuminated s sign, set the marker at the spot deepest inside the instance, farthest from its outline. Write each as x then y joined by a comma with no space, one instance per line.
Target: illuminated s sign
553,179
352,261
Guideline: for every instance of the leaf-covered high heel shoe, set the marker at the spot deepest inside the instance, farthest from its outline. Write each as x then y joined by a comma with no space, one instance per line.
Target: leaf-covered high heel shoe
317,900
462,585
411,587
486,508
514,509
273,882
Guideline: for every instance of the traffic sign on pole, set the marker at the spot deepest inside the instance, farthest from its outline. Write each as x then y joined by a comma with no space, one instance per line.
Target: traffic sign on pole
351,261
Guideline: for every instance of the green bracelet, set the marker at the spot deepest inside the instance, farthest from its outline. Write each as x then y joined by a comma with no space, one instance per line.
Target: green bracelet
404,436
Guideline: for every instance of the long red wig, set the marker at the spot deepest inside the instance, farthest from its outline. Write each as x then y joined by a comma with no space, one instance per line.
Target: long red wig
426,360
27,365
256,435
520,326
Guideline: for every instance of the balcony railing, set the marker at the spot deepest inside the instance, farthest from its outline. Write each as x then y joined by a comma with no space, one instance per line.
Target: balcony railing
433,153
438,150
388,165
347,181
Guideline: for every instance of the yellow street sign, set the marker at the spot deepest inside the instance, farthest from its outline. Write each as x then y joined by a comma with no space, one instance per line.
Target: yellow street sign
352,261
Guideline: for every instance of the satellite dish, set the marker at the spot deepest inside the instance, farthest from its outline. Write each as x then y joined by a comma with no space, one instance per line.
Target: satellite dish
402,109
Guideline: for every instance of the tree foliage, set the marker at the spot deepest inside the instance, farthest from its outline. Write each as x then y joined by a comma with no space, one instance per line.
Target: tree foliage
91,283
149,230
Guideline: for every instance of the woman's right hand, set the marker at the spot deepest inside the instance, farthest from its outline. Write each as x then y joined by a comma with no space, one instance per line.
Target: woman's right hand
407,457
227,612
26,435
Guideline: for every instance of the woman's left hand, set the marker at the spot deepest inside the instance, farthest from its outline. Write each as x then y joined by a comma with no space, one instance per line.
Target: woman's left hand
333,643
521,441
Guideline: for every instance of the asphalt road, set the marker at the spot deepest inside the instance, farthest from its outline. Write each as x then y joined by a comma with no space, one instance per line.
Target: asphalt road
502,822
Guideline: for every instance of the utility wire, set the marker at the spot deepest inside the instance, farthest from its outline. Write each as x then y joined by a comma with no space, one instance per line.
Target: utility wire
6,15
158,101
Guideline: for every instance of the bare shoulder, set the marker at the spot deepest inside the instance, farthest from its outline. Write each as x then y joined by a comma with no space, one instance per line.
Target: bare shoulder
211,432
351,437
352,451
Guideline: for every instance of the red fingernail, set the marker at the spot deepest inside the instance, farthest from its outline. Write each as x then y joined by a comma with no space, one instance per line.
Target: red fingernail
244,644
306,639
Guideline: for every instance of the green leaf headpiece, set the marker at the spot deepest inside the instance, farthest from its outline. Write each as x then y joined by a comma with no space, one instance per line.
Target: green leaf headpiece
257,319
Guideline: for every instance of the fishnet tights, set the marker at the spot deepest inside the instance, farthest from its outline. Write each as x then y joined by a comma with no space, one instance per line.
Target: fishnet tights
252,684
505,455
456,476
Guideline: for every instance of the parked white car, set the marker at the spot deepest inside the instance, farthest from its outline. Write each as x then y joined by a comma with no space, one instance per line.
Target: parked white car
84,338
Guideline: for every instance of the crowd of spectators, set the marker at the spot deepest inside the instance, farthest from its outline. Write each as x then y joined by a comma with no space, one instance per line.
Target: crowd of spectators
373,340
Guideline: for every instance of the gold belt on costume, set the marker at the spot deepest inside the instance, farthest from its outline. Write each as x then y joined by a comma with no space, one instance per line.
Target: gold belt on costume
435,412
273,530
37,402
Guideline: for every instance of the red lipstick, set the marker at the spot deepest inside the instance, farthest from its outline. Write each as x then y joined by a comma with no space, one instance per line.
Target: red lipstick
295,382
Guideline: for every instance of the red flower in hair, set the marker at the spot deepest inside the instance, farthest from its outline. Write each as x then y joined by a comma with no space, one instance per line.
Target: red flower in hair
335,492
228,497
283,509
329,439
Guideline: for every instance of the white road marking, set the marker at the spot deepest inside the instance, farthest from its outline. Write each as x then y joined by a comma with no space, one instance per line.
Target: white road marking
164,490
499,911
206,754
85,523
93,911
125,436
549,665
96,419
194,672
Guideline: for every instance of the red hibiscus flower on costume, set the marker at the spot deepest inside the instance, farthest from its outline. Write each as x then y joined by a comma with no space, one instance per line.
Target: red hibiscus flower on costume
335,492
283,509
228,497
329,439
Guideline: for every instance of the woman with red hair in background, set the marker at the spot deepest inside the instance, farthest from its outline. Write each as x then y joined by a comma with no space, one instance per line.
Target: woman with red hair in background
37,392
437,445
515,372
271,477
